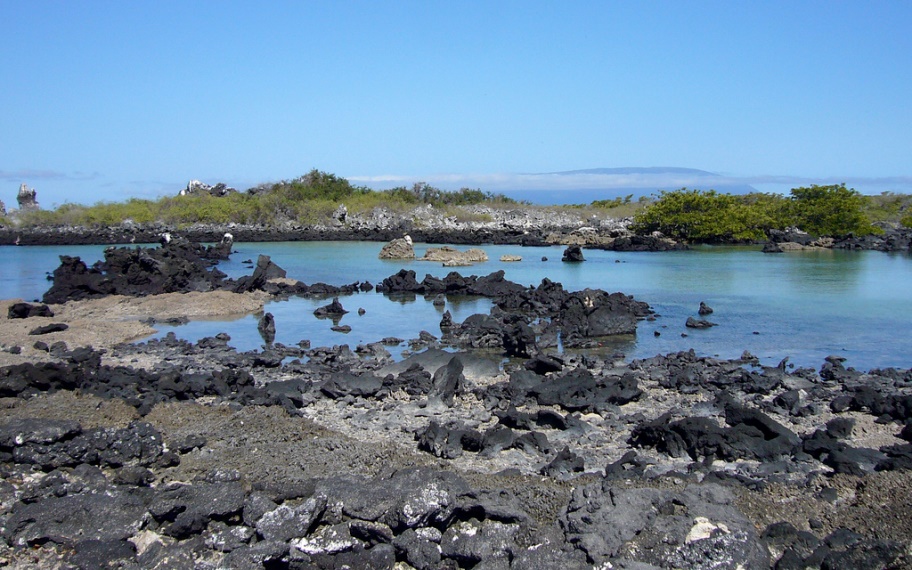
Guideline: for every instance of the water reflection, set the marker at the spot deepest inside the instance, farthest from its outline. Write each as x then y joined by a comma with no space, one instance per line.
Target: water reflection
401,316
825,272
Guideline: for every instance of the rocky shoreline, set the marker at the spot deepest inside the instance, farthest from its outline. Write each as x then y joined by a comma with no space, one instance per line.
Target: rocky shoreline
486,448
528,226
615,239
893,240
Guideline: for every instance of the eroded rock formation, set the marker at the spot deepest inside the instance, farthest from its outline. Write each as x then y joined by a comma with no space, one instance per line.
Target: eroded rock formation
27,198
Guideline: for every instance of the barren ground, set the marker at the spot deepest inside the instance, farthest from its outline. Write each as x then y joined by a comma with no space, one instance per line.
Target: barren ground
102,323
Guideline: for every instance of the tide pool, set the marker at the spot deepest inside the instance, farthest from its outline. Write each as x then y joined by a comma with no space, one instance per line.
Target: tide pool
801,305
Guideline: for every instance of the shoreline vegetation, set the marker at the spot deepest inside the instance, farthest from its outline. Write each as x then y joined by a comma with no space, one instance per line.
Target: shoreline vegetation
322,206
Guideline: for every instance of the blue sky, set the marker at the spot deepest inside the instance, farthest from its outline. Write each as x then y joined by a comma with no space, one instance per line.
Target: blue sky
110,100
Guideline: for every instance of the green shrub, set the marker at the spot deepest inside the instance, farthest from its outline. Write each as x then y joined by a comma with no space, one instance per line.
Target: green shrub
313,212
462,215
46,218
317,185
400,194
833,210
906,221
887,207
472,196
613,203
109,213
424,193
395,201
203,208
706,216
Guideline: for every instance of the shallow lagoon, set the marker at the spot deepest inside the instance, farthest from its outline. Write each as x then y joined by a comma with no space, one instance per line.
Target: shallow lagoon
804,305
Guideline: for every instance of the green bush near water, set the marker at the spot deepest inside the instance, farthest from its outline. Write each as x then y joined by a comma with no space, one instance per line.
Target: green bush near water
833,210
707,216
711,217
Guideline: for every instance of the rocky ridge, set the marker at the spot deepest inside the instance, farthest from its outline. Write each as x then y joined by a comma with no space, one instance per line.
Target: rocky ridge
524,225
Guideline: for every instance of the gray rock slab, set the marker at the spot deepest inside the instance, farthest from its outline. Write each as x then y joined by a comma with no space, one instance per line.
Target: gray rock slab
474,366
695,527
40,431
113,515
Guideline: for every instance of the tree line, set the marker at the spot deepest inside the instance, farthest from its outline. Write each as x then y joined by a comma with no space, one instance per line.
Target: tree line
708,216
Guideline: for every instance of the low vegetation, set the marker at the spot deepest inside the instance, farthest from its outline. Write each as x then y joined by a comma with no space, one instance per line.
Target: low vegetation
890,207
708,216
309,199
685,214
620,207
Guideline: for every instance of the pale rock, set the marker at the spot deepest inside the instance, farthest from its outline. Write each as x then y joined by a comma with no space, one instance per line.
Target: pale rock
703,529
144,539
451,256
400,248
27,198
195,187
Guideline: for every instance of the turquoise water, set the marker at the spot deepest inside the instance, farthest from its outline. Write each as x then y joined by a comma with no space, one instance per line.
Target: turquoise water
24,270
804,305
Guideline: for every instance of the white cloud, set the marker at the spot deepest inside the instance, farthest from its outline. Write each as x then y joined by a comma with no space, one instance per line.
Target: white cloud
500,182
26,174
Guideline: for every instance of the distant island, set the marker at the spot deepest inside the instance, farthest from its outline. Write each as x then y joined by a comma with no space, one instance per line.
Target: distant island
606,183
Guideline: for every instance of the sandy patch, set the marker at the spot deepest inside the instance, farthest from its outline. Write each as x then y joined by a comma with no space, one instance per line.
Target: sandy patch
105,322
90,411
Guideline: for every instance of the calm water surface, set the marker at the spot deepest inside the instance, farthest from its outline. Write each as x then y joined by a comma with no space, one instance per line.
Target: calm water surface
804,305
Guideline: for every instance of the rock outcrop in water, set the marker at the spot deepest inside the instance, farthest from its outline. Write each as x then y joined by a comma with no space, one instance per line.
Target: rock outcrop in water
178,266
452,257
693,323
266,328
579,318
642,243
399,248
573,254
893,239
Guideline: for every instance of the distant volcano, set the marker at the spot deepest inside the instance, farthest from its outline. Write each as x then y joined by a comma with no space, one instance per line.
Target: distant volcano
585,186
